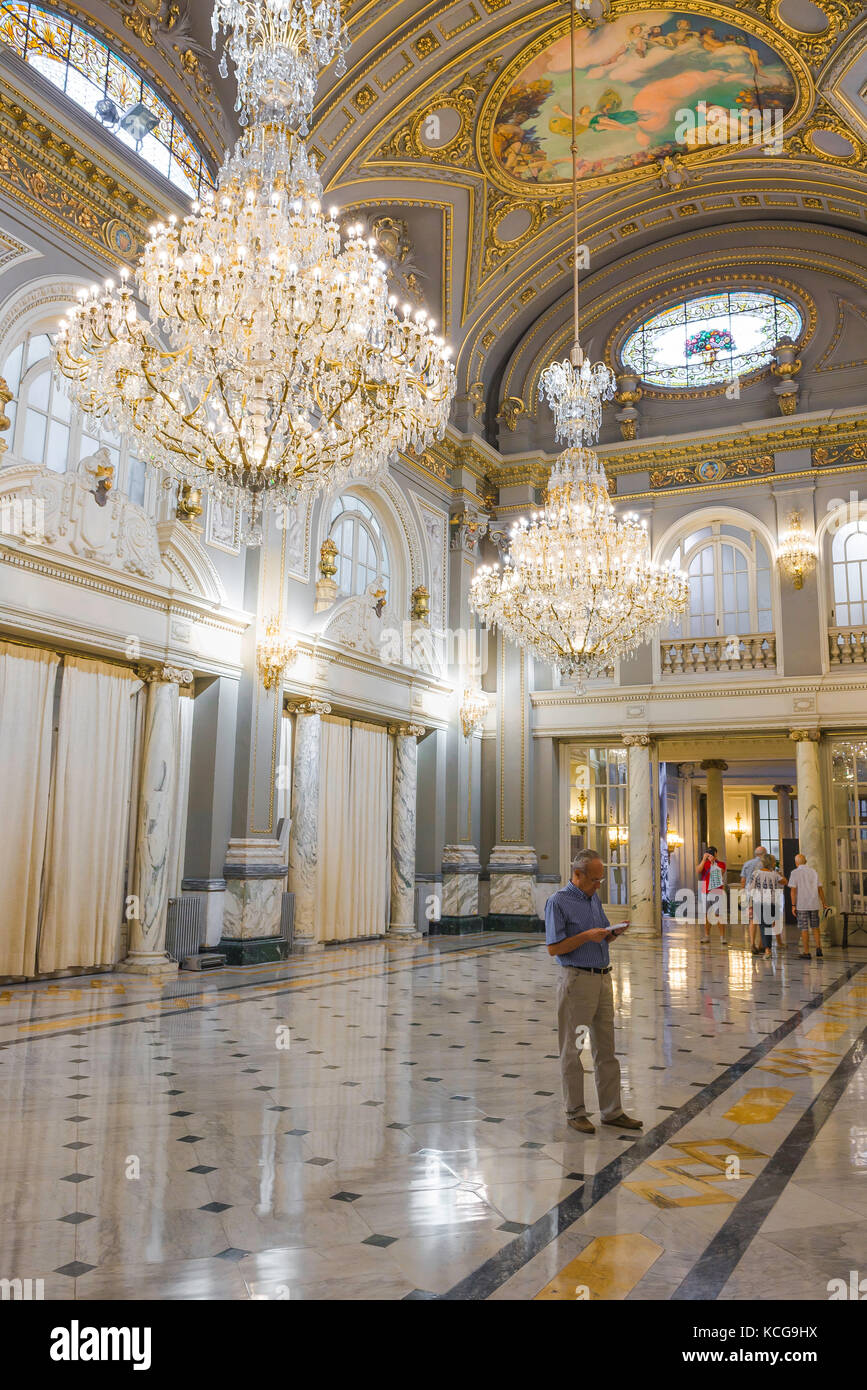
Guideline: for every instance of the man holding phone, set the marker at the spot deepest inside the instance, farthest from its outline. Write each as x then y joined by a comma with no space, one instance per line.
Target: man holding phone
577,932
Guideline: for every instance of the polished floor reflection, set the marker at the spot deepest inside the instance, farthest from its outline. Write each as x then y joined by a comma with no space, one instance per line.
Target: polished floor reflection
383,1122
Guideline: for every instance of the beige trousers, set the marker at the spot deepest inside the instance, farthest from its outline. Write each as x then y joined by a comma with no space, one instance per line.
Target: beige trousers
586,999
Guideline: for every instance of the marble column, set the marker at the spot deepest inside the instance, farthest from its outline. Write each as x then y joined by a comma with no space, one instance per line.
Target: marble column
460,904
811,809
716,810
512,904
304,834
147,929
784,812
402,926
643,917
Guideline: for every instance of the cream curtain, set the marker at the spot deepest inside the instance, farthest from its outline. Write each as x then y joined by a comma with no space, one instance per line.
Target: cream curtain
283,798
27,680
178,842
83,902
369,803
354,830
335,846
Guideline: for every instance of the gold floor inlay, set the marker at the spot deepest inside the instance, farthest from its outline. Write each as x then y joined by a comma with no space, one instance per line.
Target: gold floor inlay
759,1106
608,1269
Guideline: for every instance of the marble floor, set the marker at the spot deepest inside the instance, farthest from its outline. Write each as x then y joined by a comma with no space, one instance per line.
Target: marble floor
383,1121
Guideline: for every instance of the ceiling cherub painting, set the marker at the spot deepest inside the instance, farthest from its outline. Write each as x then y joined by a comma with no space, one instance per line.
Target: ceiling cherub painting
636,76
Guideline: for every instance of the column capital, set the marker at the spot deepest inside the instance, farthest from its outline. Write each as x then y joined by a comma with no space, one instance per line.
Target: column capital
782,788
165,675
636,740
308,707
709,764
407,730
804,735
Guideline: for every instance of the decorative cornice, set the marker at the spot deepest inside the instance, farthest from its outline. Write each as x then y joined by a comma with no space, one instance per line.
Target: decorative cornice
55,175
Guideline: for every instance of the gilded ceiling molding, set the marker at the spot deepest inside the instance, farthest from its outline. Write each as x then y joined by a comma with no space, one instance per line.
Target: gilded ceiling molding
487,327
69,186
824,118
813,48
463,98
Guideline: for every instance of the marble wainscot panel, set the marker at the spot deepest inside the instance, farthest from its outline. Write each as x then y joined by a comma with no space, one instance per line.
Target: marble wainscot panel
255,873
460,900
512,905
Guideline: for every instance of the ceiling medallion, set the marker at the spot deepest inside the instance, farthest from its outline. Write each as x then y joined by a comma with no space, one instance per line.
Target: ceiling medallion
273,360
578,587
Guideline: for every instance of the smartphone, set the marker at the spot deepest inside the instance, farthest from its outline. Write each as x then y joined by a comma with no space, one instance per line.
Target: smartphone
620,928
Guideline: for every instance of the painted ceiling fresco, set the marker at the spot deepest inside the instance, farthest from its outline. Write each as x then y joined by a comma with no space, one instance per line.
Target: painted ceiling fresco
636,77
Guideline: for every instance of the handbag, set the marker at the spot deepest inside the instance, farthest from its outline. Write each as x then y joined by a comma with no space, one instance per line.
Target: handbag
715,877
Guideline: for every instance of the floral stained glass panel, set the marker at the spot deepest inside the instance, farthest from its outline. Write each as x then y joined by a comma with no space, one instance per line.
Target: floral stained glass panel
711,339
77,62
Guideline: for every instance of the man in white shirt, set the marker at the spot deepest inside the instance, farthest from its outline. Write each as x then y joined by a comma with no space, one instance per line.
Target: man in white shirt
807,895
746,874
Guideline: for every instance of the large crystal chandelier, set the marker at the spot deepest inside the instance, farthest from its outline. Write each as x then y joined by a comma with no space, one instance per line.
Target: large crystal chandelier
273,360
578,587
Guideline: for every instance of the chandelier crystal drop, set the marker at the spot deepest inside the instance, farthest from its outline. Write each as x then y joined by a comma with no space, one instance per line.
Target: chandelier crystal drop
272,361
578,588
278,49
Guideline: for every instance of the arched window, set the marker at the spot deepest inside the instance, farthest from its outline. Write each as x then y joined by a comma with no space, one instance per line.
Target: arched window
47,430
729,574
98,80
849,571
710,339
361,550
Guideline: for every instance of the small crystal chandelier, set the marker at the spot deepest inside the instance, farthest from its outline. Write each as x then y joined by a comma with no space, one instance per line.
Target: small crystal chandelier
797,552
578,588
472,711
273,360
274,653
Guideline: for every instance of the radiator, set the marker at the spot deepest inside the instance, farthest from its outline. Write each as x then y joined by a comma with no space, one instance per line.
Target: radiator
184,927
287,919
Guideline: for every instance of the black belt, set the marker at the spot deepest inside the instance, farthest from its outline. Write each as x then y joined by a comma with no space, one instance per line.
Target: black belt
592,969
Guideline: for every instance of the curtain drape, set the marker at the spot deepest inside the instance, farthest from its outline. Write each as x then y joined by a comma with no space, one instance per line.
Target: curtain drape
83,903
284,771
335,845
178,842
354,830
27,681
369,798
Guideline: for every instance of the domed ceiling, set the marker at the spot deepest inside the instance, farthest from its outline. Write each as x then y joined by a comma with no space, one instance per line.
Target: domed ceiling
721,147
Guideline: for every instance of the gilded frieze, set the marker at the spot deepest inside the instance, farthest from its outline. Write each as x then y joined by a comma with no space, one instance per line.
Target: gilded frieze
711,471
829,455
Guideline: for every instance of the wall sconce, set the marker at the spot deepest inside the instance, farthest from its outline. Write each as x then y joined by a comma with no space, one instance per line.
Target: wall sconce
672,839
796,554
472,711
736,829
274,653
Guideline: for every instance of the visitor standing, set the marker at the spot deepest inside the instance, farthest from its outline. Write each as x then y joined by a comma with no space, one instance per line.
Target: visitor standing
808,896
712,890
751,866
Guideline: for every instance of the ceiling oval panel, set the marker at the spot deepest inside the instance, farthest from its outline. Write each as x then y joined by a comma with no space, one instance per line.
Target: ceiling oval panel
652,84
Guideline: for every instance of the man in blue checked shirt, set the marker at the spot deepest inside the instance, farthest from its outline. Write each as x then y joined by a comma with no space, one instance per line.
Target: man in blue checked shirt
578,932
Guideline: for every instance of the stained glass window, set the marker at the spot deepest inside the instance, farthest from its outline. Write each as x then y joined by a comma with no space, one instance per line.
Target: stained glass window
88,73
712,339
